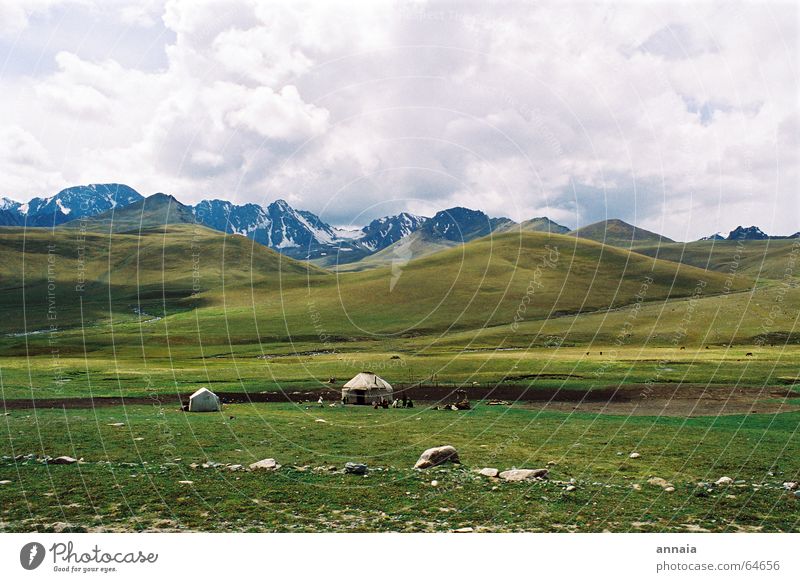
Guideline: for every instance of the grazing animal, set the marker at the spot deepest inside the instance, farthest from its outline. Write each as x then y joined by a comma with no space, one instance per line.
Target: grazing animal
748,355
683,347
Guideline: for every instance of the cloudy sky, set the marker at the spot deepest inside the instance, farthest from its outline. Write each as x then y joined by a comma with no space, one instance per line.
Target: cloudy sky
682,118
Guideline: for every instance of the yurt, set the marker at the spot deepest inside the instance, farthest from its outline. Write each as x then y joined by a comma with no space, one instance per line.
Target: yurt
367,388
204,400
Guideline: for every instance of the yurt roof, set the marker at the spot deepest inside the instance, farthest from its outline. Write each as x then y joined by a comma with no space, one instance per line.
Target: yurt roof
202,391
368,380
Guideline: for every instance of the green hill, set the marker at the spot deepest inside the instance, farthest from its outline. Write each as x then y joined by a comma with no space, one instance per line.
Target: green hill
618,233
766,259
152,212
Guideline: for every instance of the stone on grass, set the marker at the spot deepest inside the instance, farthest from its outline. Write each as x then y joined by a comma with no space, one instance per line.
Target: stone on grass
265,465
524,474
634,456
659,482
570,488
797,494
790,485
5,482
489,472
724,481
64,460
463,530
355,468
437,456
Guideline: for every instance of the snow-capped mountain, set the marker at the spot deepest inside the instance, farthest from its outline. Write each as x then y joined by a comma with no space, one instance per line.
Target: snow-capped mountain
461,224
715,236
69,204
231,218
749,233
382,232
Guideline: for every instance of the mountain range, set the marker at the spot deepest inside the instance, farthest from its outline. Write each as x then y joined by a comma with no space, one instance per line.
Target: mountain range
303,235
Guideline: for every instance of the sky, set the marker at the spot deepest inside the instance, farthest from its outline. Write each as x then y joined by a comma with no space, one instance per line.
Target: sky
680,118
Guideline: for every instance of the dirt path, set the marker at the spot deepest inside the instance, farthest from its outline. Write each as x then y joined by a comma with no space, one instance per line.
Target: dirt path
657,399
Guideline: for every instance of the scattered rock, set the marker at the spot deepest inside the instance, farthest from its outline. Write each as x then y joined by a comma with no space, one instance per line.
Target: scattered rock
437,456
63,461
636,487
434,483
265,465
524,474
659,482
355,468
489,472
5,482
790,485
634,456
797,494
724,481
669,489
186,482
235,468
570,488
463,530
117,424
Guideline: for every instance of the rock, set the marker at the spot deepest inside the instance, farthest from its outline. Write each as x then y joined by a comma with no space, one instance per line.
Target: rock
724,481
463,530
659,482
5,482
320,420
669,489
524,474
235,468
634,456
489,472
355,468
636,487
434,483
790,485
570,488
797,494
265,465
63,461
186,482
437,456
117,424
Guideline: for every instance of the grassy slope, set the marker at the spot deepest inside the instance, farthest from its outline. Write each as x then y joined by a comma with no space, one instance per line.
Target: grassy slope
618,233
767,259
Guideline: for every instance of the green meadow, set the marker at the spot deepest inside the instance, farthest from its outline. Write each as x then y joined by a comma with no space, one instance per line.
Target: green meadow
701,338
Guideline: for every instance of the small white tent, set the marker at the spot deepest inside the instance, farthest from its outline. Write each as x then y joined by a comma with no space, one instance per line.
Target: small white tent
204,400
367,388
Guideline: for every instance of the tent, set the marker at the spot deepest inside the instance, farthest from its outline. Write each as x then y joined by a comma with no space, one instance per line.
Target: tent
204,400
367,388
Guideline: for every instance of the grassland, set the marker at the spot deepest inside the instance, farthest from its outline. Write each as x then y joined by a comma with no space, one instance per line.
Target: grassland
163,312
139,475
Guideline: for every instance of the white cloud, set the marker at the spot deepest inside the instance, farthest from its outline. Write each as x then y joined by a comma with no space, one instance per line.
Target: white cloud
681,120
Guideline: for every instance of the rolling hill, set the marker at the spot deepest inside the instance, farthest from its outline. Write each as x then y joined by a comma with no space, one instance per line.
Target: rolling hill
198,278
763,259
618,233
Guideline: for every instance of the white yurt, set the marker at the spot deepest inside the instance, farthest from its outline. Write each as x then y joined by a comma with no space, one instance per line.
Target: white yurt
204,400
367,388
